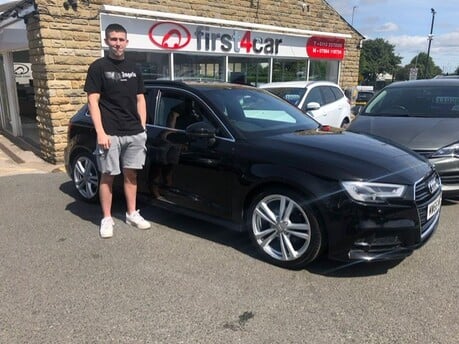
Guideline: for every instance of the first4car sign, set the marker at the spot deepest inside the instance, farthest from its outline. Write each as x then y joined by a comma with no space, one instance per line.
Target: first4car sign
166,35
175,36
198,38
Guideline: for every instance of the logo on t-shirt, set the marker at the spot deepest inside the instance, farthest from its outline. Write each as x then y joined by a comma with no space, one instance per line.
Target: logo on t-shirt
120,76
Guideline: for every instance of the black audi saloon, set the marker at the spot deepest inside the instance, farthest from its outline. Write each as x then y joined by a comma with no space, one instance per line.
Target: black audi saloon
245,159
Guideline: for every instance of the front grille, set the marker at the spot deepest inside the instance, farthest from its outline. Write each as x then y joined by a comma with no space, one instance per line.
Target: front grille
445,179
426,154
423,197
450,179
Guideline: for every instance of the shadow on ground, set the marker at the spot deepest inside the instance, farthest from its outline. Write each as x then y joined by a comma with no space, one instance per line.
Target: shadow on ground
239,241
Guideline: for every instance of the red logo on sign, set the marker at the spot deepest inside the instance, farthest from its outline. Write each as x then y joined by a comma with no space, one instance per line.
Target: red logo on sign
169,35
325,47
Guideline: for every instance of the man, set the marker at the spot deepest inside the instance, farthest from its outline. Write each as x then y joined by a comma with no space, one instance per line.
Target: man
118,110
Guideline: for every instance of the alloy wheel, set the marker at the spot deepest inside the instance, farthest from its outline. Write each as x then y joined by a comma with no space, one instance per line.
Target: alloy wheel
281,228
86,177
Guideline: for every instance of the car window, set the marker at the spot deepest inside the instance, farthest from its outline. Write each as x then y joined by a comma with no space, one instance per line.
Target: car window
253,107
291,94
178,110
427,101
314,95
328,95
338,93
166,104
256,111
364,96
150,98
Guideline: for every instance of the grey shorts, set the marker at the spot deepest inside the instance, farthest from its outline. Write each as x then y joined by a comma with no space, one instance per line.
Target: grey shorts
124,152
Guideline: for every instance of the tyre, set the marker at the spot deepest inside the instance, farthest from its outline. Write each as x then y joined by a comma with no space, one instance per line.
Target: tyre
345,123
86,176
284,229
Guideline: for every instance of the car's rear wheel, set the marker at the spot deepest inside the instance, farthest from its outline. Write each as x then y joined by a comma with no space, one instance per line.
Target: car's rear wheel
284,228
86,176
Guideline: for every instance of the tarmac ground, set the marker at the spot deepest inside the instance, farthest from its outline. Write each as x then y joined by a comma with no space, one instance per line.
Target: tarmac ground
16,158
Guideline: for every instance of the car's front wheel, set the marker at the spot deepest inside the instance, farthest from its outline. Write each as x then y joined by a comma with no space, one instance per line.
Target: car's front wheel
86,176
284,228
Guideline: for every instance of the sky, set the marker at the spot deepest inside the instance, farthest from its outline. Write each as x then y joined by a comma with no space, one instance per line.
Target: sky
406,24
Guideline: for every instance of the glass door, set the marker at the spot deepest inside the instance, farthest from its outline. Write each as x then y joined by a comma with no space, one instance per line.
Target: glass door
10,119
5,117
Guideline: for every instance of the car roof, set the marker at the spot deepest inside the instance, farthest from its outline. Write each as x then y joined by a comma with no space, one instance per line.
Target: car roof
195,84
297,83
425,83
446,76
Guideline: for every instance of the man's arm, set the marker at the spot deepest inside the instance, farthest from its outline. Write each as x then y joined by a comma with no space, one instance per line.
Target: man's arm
102,138
142,109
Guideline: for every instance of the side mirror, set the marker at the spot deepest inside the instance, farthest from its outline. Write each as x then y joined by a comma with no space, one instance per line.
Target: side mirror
201,130
312,106
356,109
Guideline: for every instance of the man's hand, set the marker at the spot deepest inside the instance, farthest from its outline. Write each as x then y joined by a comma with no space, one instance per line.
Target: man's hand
103,140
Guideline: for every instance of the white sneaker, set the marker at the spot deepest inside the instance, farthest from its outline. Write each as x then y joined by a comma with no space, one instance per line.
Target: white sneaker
136,220
106,227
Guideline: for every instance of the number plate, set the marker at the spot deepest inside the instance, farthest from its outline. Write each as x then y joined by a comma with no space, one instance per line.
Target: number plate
433,207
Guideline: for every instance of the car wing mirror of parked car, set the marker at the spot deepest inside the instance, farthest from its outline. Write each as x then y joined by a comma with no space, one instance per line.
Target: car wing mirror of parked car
356,110
312,106
201,130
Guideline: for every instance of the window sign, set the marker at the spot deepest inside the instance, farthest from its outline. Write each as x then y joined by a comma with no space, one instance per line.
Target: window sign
325,47
23,72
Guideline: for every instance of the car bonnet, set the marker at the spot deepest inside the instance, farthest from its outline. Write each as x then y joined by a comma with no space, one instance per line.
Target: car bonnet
417,133
346,156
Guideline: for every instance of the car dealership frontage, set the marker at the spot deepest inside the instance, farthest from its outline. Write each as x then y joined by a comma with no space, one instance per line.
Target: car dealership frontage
250,42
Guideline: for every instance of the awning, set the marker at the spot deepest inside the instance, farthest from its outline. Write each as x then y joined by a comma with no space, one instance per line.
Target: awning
14,37
13,32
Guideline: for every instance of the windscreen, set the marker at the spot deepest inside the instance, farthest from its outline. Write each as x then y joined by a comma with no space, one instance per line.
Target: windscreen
364,96
425,101
291,94
253,110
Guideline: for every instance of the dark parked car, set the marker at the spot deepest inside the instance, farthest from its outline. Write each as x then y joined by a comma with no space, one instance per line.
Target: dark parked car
446,76
363,97
422,115
246,159
361,100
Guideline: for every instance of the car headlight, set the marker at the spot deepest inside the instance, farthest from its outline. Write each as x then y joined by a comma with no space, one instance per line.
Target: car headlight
448,151
373,192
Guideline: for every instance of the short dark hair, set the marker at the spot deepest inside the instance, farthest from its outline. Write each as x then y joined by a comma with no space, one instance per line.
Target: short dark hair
114,28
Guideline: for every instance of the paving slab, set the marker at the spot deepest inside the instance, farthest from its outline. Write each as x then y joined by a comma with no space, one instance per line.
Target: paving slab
16,160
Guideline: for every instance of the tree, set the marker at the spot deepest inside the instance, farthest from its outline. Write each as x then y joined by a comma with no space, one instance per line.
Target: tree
403,73
377,56
457,70
419,62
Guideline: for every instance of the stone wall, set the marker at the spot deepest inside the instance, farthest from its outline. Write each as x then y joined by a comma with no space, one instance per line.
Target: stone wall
63,41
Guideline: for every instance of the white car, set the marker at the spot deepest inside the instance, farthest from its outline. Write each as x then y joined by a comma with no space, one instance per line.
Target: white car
323,100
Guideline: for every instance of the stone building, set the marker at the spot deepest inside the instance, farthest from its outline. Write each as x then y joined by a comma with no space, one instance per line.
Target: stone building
258,40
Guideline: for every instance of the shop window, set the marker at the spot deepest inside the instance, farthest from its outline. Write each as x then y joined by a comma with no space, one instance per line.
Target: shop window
191,67
324,70
246,70
153,65
289,70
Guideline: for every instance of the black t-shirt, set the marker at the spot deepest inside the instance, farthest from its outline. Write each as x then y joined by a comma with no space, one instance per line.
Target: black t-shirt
118,83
